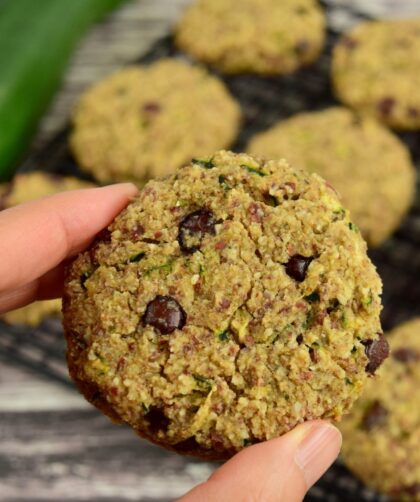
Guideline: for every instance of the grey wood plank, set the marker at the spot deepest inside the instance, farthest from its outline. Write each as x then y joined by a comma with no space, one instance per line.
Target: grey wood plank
81,455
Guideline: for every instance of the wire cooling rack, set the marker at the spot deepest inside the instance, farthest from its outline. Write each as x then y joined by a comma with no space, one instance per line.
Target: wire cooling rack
264,101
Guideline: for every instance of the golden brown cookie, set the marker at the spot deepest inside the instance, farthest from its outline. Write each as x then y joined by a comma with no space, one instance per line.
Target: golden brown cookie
369,166
255,36
226,304
145,121
375,70
382,433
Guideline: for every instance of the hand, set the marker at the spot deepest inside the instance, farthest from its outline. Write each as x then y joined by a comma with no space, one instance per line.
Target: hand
279,470
37,237
36,240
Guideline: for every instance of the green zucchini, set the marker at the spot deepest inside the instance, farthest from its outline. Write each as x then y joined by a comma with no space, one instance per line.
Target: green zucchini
36,40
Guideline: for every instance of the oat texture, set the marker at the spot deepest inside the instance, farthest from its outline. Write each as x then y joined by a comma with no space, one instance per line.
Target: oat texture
145,121
256,36
382,433
376,71
23,188
369,166
226,304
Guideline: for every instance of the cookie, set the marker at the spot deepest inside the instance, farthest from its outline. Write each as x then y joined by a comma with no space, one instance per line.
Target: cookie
367,164
226,304
145,121
24,188
37,184
34,313
375,70
256,36
382,433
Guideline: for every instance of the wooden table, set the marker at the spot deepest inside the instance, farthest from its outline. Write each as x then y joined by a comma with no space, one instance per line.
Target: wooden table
53,445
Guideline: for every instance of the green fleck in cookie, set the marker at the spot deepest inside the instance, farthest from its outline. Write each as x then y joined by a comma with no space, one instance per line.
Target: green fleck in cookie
146,121
24,188
382,433
255,36
226,304
366,163
376,70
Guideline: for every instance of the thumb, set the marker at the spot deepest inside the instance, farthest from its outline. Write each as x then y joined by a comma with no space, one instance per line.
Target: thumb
281,469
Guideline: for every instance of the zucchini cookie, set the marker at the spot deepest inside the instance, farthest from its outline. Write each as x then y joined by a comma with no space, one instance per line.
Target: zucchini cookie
375,70
366,163
253,36
36,184
24,188
226,304
382,433
146,121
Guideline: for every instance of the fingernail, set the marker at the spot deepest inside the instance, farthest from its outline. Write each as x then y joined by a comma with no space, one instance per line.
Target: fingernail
317,451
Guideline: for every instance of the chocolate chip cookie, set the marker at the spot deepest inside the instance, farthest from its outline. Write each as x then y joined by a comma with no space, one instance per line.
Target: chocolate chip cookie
255,36
23,188
226,304
375,70
382,433
145,121
369,166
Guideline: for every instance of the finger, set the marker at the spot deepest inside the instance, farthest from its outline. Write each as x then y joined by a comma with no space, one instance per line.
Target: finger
38,235
46,287
278,470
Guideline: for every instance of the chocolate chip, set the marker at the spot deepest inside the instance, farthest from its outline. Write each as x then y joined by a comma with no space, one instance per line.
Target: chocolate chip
297,266
410,490
405,355
302,47
313,355
193,227
386,105
349,43
151,107
413,112
376,351
165,314
157,419
299,339
374,416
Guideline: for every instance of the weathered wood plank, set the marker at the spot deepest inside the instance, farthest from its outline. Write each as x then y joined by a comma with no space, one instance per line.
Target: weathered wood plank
61,456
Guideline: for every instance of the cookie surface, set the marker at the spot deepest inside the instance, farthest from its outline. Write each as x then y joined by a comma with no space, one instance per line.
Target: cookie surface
145,121
381,436
256,36
228,303
367,164
24,188
375,70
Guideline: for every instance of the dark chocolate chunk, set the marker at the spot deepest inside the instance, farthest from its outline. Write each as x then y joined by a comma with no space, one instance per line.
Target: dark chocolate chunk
302,47
299,339
405,355
151,107
349,43
413,112
375,416
165,314
376,351
386,105
193,228
297,266
410,490
157,419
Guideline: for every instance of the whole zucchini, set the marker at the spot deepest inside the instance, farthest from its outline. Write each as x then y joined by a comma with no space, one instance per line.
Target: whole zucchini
36,41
